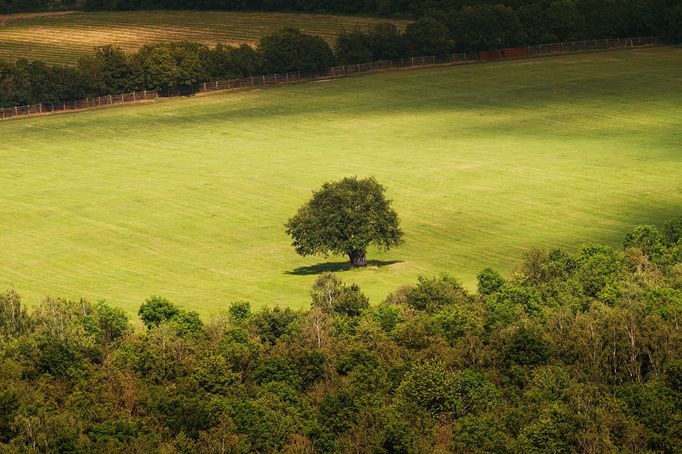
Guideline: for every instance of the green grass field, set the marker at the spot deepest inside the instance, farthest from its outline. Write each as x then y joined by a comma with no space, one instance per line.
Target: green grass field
64,37
187,198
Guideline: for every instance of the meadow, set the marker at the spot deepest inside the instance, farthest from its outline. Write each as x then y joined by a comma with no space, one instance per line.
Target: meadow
187,198
62,38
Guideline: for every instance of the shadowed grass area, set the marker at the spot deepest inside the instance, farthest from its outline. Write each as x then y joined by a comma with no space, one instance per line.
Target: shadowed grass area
335,267
187,198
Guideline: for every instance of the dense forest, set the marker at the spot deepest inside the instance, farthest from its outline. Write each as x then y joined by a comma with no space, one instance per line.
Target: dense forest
569,353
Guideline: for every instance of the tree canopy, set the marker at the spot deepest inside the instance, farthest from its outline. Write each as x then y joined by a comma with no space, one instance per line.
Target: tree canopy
570,353
345,217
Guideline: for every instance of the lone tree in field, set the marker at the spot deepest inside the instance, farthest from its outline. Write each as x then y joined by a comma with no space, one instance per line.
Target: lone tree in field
345,217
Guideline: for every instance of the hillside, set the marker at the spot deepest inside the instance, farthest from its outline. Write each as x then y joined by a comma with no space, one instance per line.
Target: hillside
62,38
187,198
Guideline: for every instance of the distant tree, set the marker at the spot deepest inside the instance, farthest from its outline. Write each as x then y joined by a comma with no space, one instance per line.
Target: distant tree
226,62
187,323
427,36
115,68
674,16
345,217
291,50
156,310
386,42
432,294
482,27
239,312
672,230
332,295
112,322
13,317
167,66
489,281
647,238
353,47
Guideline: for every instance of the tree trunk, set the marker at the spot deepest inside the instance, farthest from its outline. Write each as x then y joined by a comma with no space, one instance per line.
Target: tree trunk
357,258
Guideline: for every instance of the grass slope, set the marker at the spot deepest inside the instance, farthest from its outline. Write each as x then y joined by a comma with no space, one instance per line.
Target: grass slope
64,37
187,197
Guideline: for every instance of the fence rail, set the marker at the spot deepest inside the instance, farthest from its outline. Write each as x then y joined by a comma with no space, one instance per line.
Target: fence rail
463,57
79,104
336,72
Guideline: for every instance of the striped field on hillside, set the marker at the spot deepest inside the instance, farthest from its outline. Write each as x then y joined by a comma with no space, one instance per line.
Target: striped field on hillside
64,37
188,197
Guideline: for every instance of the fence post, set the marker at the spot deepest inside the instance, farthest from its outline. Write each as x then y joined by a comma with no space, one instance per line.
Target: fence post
40,107
2,109
16,110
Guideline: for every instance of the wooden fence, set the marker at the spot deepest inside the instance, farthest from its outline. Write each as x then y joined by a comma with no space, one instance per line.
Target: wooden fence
79,104
464,57
337,72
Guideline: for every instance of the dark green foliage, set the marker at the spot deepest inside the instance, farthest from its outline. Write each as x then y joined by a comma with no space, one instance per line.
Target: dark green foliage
277,369
672,232
9,405
311,365
489,281
386,42
239,311
353,47
188,415
345,217
187,323
272,324
156,310
167,66
213,375
227,62
432,294
427,36
387,315
570,353
332,295
647,238
13,317
112,321
115,431
291,50
598,267
482,27
428,387
526,348
673,375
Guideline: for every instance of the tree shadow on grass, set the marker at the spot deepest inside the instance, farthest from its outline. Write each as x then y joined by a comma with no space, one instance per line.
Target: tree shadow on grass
330,267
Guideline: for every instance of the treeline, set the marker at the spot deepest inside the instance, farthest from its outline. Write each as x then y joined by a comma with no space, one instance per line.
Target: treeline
570,353
167,67
496,21
174,67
